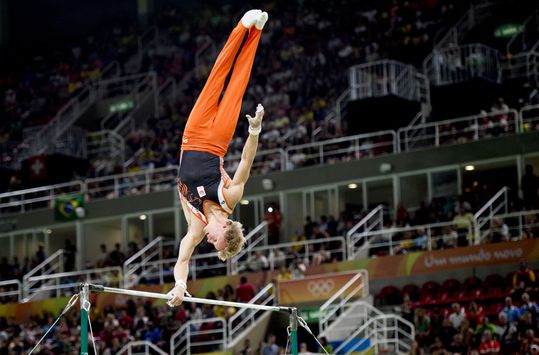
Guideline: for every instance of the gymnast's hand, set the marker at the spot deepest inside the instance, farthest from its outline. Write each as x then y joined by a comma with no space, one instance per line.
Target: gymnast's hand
256,122
176,295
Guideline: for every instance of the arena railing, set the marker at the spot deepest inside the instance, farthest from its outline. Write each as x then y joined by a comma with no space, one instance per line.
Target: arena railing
459,130
149,180
10,289
264,162
112,70
392,241
373,221
458,63
356,313
509,226
50,132
256,238
146,40
246,317
352,147
61,284
192,337
148,263
523,40
498,204
37,197
356,288
137,266
105,143
52,265
385,333
145,181
530,118
141,347
301,250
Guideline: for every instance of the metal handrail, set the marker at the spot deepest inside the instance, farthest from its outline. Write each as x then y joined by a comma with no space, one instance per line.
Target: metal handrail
321,144
378,223
147,346
393,231
511,216
328,309
376,332
503,192
47,261
232,263
246,318
187,331
145,254
17,292
403,137
53,282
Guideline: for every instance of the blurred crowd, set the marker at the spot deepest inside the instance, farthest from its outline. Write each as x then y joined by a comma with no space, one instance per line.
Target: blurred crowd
115,326
483,318
299,39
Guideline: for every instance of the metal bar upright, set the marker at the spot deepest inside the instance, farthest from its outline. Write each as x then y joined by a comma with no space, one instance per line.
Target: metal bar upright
84,299
294,330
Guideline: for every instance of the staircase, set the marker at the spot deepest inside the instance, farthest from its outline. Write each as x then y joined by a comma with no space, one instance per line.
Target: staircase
356,238
351,324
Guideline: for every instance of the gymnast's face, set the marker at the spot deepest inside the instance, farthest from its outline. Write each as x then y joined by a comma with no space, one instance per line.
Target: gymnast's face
215,233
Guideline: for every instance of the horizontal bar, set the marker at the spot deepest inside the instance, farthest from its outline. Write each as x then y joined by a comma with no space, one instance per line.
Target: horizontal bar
162,296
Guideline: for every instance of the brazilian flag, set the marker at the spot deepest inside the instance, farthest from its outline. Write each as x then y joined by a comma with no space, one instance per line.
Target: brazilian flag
65,208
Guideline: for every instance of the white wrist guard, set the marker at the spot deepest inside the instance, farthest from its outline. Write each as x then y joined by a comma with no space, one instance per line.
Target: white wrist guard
184,285
255,131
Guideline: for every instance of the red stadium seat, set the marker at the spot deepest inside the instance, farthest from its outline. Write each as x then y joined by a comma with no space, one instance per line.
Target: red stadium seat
430,287
451,285
412,291
493,280
471,282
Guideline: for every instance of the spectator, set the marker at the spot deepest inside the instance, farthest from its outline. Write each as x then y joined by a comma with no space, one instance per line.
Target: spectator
245,291
463,220
488,345
246,348
422,327
530,188
474,315
523,279
529,310
528,341
511,312
40,255
507,333
269,348
116,256
69,256
326,346
303,349
103,259
284,274
457,316
458,346
484,327
437,348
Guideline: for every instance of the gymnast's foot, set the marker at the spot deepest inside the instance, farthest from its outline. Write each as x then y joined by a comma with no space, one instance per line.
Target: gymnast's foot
261,20
250,18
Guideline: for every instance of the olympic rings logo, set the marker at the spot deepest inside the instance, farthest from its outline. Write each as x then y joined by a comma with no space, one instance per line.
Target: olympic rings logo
320,287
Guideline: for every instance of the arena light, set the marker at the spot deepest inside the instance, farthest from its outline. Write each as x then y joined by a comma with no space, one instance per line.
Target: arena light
270,209
469,168
352,186
142,217
48,231
244,202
